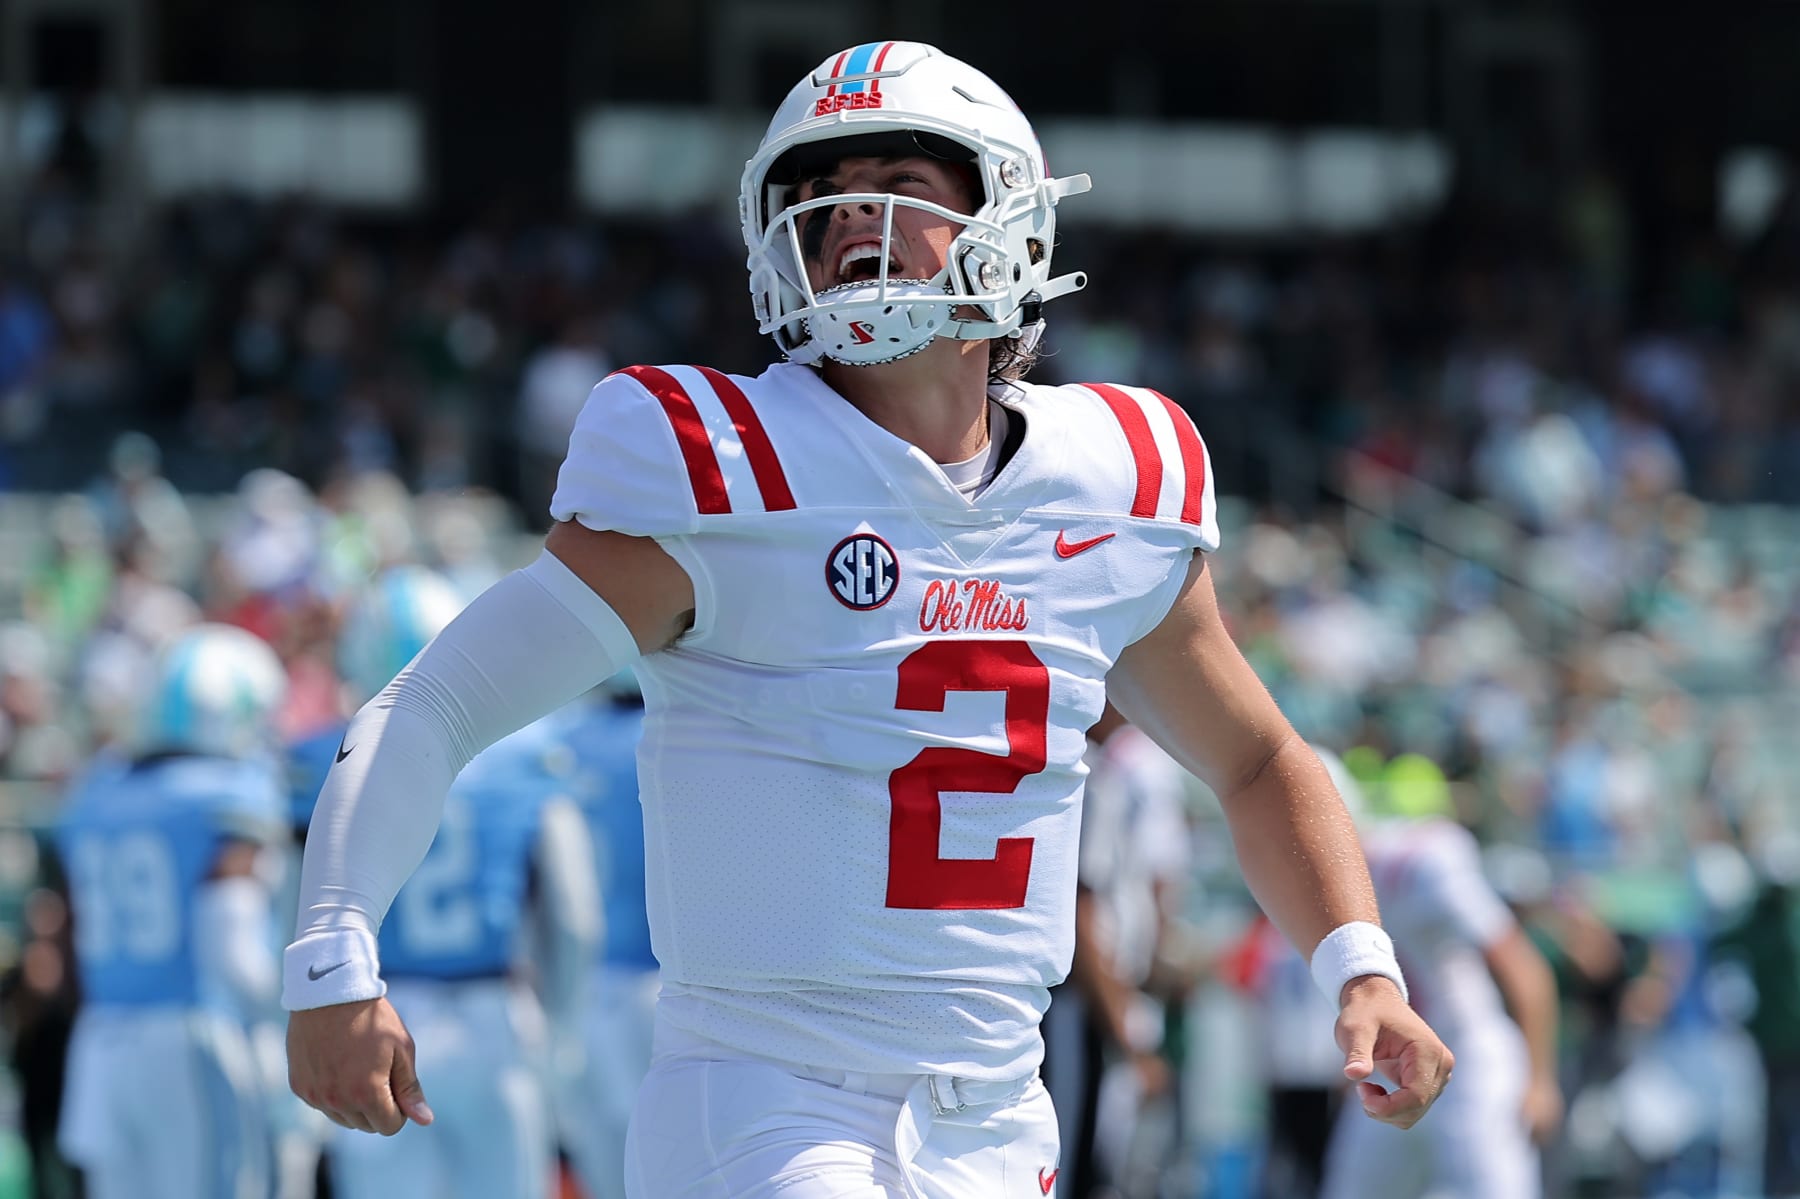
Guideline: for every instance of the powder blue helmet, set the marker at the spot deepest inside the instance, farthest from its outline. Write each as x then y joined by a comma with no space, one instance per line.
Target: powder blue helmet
389,621
217,691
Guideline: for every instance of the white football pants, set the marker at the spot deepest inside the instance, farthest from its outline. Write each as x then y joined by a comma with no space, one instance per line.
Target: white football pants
712,1123
594,1107
164,1103
477,1053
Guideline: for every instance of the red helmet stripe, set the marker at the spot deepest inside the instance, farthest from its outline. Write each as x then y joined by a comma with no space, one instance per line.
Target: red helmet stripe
875,84
837,72
771,480
690,434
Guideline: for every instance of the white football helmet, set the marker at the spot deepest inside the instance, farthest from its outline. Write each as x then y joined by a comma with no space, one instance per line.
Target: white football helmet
218,690
879,99
392,618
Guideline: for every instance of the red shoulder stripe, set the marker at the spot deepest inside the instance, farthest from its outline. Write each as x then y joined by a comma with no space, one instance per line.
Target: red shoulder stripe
771,480
1193,460
690,432
1143,446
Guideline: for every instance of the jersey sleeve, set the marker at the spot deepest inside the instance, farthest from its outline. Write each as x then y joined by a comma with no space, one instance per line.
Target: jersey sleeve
248,800
639,461
1170,478
1448,879
659,450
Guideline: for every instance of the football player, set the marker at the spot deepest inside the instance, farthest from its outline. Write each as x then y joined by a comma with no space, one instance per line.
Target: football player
876,595
174,932
1104,1043
615,1028
505,896
383,625
1479,979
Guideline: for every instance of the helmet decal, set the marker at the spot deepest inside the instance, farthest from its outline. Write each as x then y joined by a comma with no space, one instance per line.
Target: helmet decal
854,80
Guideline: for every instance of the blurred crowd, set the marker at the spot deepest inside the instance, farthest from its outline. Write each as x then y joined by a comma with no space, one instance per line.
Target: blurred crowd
1521,505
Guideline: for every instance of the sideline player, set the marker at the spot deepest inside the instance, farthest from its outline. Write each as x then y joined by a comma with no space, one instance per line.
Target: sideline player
1476,975
1107,1071
614,1031
508,882
383,625
880,592
174,932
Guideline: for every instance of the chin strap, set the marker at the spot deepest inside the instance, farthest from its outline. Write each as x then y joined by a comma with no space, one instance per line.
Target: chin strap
1028,317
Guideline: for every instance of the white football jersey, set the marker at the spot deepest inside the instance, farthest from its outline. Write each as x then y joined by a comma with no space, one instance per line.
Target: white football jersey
1134,836
862,768
1442,914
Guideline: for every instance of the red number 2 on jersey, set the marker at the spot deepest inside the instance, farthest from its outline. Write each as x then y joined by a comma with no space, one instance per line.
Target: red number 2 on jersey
917,876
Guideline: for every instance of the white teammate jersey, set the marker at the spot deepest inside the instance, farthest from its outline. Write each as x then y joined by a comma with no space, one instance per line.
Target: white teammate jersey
1134,836
862,768
1442,914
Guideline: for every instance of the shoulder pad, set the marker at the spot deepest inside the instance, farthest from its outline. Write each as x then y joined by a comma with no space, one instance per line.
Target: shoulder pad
1170,472
658,448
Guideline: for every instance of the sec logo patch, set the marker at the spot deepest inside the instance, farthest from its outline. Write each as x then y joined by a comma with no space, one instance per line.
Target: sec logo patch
862,571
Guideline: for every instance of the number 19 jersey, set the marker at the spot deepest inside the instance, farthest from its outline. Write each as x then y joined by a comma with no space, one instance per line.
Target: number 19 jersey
862,767
139,840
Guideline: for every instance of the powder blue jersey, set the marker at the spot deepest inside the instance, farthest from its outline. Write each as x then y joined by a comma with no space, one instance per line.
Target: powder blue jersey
138,840
462,913
308,762
604,738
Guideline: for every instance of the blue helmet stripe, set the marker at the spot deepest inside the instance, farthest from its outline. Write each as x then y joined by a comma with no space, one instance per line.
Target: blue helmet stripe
860,60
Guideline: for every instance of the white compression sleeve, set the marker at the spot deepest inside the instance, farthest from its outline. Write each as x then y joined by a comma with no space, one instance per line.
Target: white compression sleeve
527,645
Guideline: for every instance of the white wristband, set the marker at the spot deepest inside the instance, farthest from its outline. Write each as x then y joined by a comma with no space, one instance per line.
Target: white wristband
338,965
1351,951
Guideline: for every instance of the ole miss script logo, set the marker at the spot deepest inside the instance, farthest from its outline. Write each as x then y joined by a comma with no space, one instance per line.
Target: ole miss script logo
971,606
862,571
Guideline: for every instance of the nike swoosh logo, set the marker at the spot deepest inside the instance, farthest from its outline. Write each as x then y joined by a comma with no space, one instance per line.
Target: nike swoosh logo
1047,1178
1068,549
344,751
315,974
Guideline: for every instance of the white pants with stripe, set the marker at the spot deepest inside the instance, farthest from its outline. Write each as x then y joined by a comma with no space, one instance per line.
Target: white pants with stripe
477,1046
164,1103
713,1123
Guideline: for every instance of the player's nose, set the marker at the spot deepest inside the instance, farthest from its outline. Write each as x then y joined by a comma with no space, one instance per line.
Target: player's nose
854,208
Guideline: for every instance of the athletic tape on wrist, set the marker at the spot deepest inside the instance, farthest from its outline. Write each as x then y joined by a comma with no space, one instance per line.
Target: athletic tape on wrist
1351,951
337,965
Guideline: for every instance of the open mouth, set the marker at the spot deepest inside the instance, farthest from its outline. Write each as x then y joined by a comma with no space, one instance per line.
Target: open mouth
861,263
